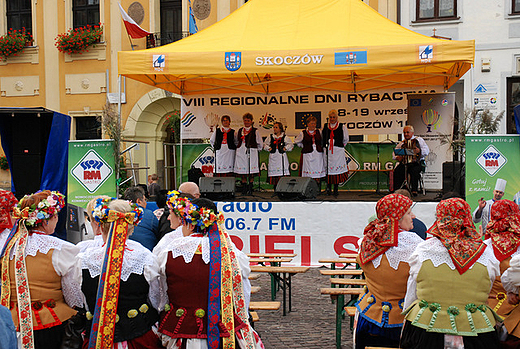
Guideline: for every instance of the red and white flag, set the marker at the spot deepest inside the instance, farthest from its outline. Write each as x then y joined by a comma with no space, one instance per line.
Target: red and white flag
133,29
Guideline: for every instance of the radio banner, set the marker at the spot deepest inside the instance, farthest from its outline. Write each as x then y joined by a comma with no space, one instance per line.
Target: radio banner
91,171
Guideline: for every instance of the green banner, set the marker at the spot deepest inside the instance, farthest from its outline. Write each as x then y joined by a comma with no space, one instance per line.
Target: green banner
361,158
91,171
489,157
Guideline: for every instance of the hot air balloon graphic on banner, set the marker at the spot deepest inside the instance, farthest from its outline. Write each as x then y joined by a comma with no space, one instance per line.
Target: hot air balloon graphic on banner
430,117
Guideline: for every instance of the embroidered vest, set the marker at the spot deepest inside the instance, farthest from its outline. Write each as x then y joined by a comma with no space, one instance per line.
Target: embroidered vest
220,136
187,314
136,315
338,135
250,138
307,142
48,305
382,302
448,302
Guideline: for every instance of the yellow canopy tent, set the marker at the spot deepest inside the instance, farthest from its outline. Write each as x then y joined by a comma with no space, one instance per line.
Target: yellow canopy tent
273,46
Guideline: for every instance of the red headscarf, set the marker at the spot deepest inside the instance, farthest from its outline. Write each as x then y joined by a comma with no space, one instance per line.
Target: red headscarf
504,228
382,233
7,202
455,229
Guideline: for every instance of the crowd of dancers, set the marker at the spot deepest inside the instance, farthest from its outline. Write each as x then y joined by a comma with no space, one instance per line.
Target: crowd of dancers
323,155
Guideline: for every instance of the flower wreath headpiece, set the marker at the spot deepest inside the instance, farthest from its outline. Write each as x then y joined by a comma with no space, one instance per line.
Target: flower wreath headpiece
46,209
102,213
190,213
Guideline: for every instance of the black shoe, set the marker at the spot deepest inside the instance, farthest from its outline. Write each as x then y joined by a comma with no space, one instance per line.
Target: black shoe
244,188
250,189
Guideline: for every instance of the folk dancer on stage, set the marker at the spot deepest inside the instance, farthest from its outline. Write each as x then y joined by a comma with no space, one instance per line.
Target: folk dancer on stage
412,163
206,303
451,275
39,273
278,144
386,246
223,143
483,211
249,143
137,292
311,161
335,138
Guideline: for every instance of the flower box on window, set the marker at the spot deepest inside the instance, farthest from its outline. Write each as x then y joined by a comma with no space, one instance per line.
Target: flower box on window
13,42
79,39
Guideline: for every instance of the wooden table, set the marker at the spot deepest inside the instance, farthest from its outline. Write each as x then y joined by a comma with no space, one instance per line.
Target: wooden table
275,262
272,255
348,255
281,276
265,256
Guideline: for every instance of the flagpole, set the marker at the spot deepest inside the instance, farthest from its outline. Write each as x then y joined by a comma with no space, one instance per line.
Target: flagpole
130,38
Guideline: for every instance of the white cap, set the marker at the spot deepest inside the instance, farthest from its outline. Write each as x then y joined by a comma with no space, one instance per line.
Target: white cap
501,185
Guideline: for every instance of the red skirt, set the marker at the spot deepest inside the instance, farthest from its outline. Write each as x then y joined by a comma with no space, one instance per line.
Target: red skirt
337,179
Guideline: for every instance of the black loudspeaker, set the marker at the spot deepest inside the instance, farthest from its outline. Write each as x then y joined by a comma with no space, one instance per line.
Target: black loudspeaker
297,188
217,188
453,177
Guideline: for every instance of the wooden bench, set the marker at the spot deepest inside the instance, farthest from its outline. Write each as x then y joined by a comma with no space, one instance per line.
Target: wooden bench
254,276
255,289
272,255
348,282
348,255
350,311
275,262
334,261
254,316
353,272
264,305
342,291
281,276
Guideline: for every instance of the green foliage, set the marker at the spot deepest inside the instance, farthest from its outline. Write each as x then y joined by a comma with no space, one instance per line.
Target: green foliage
173,124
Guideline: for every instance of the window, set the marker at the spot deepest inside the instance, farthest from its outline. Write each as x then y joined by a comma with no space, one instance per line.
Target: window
436,10
516,7
88,127
19,15
85,12
513,99
171,21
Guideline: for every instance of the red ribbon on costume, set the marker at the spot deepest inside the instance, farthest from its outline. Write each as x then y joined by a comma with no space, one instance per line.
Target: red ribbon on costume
331,142
224,139
245,133
312,135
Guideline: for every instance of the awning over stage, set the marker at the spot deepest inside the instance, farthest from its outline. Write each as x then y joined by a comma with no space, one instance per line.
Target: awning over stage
272,46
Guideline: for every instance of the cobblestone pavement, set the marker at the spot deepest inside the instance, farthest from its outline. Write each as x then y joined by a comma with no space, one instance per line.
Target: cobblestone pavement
311,324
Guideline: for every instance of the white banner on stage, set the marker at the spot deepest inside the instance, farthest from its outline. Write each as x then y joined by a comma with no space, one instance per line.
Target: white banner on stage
375,112
312,230
432,116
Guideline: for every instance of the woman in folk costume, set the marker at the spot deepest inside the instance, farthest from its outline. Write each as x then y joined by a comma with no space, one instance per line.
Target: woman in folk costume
39,272
223,142
311,161
451,275
136,293
249,143
7,203
278,144
503,236
206,307
386,246
335,138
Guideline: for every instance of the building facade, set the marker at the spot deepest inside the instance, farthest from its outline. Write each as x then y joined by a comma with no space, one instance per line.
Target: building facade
81,85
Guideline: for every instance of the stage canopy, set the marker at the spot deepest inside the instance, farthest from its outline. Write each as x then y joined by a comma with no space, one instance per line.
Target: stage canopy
273,46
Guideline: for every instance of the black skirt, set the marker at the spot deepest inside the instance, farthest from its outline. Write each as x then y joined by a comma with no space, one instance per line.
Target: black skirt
414,337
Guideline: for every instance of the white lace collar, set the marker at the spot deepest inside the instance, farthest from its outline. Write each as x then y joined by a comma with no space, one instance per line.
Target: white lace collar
407,242
186,246
433,250
135,258
40,243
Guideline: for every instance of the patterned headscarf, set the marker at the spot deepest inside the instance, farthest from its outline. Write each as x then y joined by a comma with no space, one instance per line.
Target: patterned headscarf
457,233
504,228
381,233
7,203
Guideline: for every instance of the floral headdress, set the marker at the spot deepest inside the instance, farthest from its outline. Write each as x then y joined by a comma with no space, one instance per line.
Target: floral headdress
36,214
103,214
202,218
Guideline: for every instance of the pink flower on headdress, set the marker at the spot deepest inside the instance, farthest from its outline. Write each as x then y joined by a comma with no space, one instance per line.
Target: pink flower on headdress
52,201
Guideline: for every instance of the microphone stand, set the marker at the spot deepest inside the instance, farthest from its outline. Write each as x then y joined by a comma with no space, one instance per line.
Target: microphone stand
329,191
215,150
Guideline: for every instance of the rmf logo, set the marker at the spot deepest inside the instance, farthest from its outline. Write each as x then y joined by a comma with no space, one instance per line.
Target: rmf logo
91,169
